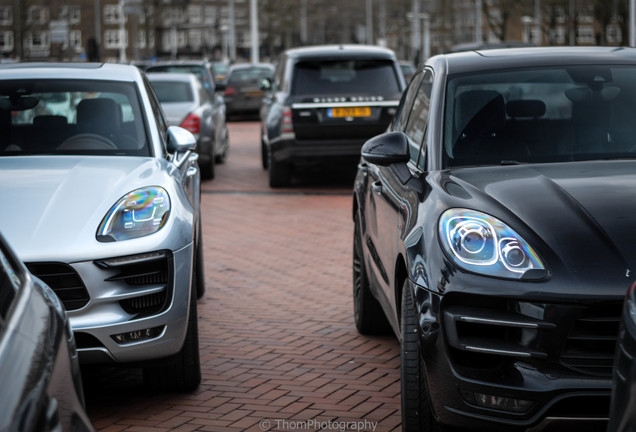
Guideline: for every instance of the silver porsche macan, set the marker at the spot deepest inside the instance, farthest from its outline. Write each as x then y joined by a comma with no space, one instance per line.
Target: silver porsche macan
100,199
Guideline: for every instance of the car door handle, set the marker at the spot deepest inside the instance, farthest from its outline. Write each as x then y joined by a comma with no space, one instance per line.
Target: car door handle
192,171
376,187
363,166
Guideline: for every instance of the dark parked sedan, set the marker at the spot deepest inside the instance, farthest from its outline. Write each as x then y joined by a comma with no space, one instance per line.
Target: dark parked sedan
494,233
324,103
39,369
243,94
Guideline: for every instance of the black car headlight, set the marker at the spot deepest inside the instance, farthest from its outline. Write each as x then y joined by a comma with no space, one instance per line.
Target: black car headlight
139,213
483,244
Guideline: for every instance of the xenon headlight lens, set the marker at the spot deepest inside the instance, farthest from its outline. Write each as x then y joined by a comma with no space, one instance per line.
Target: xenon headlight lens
139,213
483,244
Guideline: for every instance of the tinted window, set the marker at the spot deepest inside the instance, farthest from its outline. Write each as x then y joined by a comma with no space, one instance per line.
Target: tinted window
407,101
252,75
9,285
540,115
336,77
172,91
418,116
71,117
199,70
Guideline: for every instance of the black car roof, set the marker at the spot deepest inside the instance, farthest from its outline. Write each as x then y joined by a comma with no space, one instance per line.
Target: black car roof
474,61
336,51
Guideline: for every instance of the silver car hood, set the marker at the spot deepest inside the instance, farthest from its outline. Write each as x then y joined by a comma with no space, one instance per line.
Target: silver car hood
53,205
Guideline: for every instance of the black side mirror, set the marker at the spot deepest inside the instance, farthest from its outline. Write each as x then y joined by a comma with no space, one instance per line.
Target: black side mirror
387,149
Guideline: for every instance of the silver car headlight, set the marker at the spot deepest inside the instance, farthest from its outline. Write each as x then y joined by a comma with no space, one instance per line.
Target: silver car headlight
483,244
139,213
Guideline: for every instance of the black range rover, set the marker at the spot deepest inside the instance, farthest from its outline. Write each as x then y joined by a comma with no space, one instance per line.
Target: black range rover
325,102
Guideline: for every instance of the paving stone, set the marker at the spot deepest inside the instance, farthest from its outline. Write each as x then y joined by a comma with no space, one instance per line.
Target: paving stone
277,336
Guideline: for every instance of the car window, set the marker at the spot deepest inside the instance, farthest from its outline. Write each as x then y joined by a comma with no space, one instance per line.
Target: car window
371,77
279,74
399,122
9,285
248,75
71,117
418,117
172,91
539,115
199,70
162,126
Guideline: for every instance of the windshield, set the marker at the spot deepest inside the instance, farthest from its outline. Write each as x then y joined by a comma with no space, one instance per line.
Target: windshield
540,115
71,117
198,70
172,91
249,75
350,77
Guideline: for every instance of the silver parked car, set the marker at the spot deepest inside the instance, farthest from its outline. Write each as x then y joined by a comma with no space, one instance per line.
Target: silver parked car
39,369
106,210
186,103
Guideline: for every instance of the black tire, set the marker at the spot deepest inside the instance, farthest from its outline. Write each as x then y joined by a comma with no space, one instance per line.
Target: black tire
199,264
220,159
207,170
264,157
279,172
367,312
182,372
416,407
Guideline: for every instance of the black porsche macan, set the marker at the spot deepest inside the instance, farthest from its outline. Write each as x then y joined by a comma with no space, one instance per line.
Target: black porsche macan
495,233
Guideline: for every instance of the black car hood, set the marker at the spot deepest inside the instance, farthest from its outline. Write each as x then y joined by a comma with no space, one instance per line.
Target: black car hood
585,212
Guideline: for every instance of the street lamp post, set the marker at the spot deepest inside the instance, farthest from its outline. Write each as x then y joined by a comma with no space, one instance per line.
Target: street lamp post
122,33
632,23
254,31
426,37
369,13
478,22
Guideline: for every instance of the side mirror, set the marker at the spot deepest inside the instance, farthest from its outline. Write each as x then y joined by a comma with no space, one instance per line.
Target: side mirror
180,140
387,149
265,84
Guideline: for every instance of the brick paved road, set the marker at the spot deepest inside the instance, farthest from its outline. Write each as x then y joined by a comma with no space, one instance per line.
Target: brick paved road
278,342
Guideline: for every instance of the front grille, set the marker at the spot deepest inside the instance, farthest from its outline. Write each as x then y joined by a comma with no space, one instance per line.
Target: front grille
591,343
490,333
64,281
150,303
153,271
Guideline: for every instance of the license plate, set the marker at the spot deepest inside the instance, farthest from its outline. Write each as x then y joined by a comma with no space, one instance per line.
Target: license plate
349,112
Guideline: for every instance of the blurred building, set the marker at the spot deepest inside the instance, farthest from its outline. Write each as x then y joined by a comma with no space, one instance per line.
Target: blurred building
125,30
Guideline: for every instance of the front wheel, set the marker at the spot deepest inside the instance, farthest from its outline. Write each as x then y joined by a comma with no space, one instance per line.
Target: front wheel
367,313
208,170
417,414
264,158
182,372
199,263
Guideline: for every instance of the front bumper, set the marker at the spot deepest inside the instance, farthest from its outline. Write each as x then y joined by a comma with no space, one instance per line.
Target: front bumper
125,309
516,362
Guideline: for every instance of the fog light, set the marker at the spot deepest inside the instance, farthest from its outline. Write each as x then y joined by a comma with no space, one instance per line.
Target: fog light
497,402
137,335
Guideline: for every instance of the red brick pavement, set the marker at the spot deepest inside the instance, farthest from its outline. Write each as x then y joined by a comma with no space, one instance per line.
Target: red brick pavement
279,348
